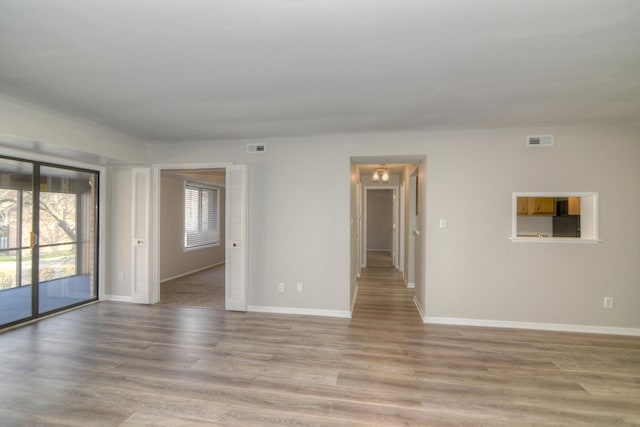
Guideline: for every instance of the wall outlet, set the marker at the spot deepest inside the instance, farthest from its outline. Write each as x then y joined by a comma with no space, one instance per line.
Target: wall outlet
281,287
608,302
121,277
300,287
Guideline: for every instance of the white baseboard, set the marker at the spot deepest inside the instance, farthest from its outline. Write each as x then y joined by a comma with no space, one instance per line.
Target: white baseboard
118,298
559,327
197,270
303,311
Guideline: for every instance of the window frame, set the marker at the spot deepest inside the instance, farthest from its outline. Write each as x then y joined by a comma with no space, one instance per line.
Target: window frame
588,218
200,187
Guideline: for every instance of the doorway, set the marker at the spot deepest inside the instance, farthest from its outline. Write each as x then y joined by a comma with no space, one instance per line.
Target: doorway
146,232
192,240
380,235
408,262
48,238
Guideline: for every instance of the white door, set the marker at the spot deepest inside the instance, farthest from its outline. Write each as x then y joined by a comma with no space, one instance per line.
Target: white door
411,234
140,232
395,229
236,238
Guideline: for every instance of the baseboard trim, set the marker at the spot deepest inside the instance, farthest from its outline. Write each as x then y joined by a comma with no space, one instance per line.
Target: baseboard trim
197,270
303,311
118,298
558,327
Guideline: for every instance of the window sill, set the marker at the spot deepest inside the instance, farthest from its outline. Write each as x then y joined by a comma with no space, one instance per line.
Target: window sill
196,248
541,239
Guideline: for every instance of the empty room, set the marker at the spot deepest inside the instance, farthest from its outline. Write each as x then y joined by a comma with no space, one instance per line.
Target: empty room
273,212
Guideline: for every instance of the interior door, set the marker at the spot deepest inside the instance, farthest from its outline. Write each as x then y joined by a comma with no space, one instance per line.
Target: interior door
141,181
395,229
236,238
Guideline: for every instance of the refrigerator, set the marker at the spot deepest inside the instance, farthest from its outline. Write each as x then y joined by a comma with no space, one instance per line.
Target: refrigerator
566,226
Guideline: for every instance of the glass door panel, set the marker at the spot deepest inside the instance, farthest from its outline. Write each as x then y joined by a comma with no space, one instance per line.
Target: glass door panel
16,213
67,238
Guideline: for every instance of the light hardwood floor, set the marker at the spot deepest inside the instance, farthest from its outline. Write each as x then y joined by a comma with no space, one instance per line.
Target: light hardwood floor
202,289
379,259
121,364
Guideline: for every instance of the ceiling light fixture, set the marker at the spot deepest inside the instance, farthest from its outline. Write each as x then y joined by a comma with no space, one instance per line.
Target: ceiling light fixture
381,174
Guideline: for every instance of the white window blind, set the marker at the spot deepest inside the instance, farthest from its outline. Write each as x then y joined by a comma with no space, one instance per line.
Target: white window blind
201,215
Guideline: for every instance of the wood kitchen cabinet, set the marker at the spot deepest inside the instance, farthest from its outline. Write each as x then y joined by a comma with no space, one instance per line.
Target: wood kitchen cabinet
545,206
574,206
523,205
538,206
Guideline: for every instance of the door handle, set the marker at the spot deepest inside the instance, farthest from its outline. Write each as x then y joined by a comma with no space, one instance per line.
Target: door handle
33,240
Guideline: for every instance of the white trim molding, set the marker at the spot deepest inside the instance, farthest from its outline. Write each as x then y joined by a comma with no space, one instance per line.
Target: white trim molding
117,298
304,311
197,270
558,327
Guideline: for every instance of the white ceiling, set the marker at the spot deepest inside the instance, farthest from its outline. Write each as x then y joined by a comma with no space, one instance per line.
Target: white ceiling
179,70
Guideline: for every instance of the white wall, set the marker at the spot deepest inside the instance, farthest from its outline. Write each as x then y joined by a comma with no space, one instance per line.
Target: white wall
119,232
33,128
355,242
299,215
174,261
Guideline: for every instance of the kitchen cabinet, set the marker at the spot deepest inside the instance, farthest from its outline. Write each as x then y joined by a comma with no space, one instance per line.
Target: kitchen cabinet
537,206
523,205
574,206
545,206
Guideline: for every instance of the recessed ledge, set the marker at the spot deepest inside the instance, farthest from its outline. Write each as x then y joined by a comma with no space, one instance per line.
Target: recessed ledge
571,240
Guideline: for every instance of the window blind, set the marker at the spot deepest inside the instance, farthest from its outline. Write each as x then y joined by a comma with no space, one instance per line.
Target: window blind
201,213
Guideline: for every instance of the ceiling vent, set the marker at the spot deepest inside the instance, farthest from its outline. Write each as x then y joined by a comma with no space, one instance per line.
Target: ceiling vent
540,141
256,148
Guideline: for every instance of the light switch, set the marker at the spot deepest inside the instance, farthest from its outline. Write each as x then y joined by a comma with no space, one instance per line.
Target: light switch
443,223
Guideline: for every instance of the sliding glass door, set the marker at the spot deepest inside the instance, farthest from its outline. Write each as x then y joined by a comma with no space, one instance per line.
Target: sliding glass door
16,213
48,239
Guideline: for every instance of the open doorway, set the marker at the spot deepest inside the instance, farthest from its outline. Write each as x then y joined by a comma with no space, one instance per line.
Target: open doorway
192,238
399,263
380,219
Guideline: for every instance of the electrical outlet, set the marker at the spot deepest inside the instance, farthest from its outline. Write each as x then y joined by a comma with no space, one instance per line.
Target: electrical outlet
281,287
300,287
120,277
608,302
